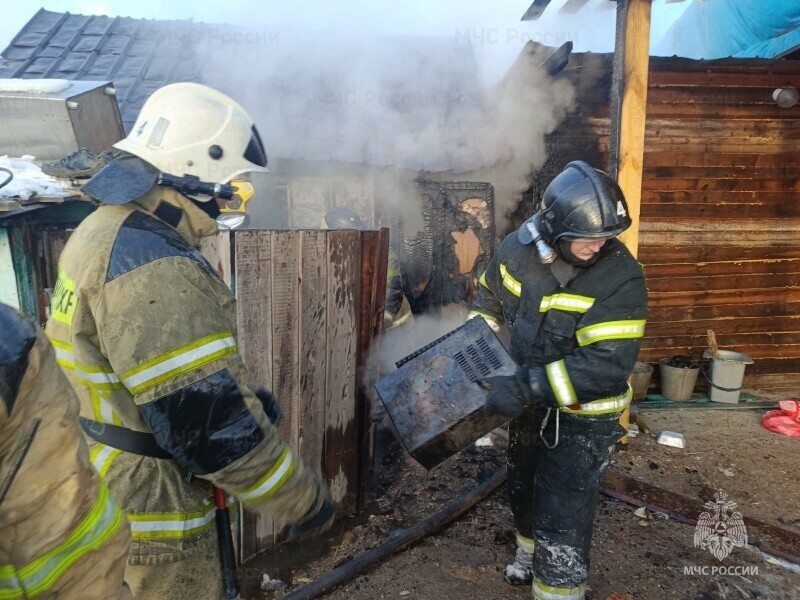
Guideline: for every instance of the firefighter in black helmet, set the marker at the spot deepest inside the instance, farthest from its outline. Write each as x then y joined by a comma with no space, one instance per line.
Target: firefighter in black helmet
574,301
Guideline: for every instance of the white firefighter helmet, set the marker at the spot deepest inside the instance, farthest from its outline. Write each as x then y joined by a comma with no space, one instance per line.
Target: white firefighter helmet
192,129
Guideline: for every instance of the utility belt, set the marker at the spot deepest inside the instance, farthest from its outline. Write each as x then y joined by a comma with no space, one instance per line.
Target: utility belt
145,444
122,438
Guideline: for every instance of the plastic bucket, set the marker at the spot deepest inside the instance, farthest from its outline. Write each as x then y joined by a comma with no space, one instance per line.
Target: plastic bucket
677,383
727,374
640,380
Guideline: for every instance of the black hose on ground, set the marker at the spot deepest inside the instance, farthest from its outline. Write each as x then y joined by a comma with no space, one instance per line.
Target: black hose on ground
402,540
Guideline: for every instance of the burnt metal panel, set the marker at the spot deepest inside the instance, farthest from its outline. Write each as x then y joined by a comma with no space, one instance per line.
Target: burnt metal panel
433,399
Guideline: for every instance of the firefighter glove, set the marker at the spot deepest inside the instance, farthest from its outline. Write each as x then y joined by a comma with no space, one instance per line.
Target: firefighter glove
509,395
316,521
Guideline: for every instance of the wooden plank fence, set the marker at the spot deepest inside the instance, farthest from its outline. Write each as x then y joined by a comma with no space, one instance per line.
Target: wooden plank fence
309,304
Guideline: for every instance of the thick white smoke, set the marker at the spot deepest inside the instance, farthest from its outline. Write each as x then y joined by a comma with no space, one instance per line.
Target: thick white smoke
411,104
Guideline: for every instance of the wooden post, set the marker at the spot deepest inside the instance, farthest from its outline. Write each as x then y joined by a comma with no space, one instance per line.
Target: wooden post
374,261
627,124
628,114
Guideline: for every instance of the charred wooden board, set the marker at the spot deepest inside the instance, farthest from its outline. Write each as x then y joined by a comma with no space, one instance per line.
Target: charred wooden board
443,260
433,399
771,539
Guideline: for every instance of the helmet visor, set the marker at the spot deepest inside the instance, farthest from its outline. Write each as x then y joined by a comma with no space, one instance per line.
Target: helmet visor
255,152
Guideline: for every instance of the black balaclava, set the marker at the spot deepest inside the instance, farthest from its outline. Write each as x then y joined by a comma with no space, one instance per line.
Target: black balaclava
562,248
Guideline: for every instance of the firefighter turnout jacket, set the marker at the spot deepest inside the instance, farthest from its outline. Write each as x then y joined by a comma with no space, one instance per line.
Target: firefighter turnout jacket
146,332
61,533
580,338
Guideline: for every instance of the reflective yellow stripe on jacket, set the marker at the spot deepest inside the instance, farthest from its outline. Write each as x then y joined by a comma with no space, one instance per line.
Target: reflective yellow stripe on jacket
403,317
100,381
566,302
95,377
172,525
38,576
272,481
610,330
102,456
509,282
179,361
603,406
485,316
527,544
183,525
560,383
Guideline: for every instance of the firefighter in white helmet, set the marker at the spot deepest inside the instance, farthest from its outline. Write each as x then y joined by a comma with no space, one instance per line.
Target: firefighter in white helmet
61,533
146,332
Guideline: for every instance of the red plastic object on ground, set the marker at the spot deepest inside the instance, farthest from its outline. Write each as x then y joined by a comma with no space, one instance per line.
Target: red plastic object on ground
785,420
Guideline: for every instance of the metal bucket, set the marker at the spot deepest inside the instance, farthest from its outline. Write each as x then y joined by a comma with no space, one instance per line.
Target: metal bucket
677,383
727,375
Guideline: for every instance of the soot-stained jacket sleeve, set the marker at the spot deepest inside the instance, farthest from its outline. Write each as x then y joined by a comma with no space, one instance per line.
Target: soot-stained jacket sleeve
166,330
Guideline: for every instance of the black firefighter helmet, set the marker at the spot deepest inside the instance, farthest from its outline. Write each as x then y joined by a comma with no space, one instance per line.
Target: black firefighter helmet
343,217
583,202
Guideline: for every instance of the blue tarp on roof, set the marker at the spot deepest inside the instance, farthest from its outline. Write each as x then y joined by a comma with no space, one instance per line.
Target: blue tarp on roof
742,28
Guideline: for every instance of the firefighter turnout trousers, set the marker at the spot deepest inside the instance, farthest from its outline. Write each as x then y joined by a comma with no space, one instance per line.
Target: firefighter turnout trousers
553,493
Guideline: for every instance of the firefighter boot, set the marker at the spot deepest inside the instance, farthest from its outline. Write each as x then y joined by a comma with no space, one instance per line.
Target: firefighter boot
520,571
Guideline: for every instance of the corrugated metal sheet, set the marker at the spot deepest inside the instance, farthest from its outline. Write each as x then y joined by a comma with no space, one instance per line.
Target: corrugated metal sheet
138,55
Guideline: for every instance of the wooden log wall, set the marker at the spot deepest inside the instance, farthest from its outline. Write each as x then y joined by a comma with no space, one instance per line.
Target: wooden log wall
720,214
720,225
309,305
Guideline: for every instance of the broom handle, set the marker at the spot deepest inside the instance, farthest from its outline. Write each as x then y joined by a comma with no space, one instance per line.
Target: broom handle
712,343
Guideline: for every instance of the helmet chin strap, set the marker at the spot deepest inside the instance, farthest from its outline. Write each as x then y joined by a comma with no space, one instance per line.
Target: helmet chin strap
563,249
210,208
